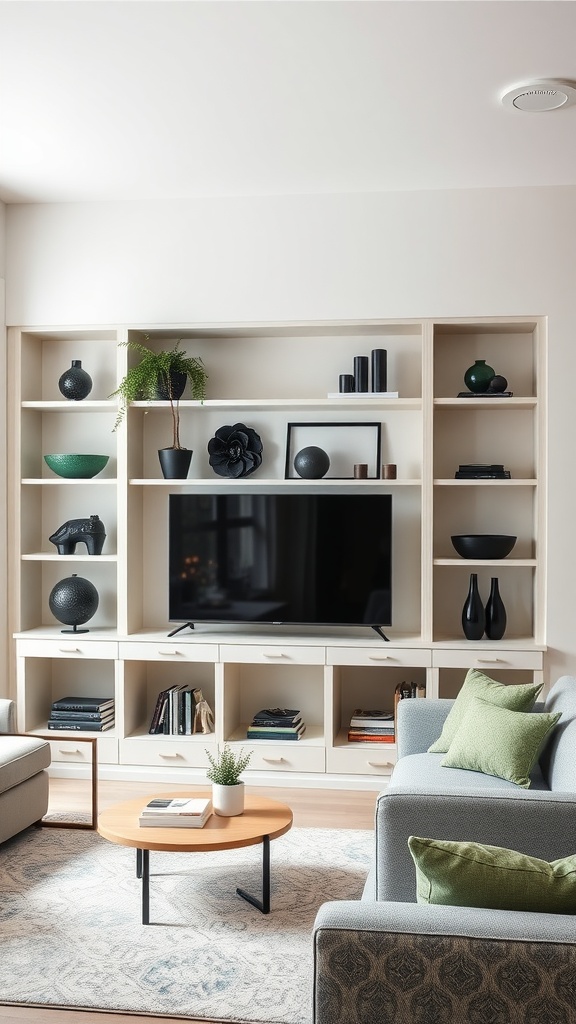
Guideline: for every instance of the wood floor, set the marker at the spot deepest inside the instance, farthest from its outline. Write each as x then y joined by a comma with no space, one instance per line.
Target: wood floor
311,808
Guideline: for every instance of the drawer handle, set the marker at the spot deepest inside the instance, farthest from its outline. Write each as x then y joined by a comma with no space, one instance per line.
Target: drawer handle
274,760
490,661
168,654
174,754
380,764
378,657
280,654
75,751
69,650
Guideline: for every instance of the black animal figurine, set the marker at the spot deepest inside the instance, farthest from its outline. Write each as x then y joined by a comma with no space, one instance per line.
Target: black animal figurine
90,532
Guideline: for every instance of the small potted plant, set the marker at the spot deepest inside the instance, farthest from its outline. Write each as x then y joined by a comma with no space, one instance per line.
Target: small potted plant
224,773
163,375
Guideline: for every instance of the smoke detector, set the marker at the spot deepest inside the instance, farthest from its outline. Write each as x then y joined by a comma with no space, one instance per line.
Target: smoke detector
540,96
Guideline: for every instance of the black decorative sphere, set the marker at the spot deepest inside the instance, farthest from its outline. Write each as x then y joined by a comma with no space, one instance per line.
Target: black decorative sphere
312,462
73,600
75,383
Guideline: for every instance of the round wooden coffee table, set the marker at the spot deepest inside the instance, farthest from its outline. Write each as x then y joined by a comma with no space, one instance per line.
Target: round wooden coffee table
261,821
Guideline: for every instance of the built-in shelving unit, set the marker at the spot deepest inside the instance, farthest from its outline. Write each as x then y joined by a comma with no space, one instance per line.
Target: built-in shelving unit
270,375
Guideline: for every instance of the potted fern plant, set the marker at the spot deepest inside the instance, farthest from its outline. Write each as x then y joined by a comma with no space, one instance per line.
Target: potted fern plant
163,375
227,788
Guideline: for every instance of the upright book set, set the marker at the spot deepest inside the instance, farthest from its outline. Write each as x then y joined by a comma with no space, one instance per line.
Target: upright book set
181,711
82,714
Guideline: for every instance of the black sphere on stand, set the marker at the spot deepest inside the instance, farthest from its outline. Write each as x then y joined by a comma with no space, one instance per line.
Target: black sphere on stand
74,600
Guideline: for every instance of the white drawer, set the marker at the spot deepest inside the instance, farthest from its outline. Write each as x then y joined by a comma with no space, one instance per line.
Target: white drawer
60,648
486,660
166,752
285,757
385,656
168,652
352,761
272,655
67,751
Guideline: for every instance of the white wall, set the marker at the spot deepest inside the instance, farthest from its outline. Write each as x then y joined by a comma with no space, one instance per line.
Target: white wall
414,254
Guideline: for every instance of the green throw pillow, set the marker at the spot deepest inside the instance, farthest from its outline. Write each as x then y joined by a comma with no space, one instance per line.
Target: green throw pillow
472,875
499,742
476,684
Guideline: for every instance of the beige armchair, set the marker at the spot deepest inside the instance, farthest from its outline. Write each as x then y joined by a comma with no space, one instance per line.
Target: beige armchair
23,775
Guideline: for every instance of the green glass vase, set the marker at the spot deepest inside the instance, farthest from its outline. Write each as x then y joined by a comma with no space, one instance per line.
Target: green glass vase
478,377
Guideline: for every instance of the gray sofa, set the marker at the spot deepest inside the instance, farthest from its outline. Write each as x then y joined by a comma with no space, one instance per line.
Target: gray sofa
23,776
386,958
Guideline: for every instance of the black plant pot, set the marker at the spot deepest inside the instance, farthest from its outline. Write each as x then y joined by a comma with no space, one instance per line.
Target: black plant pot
177,385
175,462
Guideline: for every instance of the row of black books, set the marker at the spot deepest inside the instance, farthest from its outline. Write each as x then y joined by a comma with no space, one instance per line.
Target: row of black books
88,714
277,724
179,812
181,711
369,725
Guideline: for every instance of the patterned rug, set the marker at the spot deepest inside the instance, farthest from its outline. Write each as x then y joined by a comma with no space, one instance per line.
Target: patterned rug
70,931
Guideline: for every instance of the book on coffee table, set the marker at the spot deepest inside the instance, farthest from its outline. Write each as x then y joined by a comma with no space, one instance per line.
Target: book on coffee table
176,813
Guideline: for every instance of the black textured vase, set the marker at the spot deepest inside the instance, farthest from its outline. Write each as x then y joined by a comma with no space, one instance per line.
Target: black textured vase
312,463
175,462
75,383
495,613
73,600
473,617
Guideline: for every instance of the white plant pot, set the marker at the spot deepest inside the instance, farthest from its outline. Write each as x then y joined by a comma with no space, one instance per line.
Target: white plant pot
228,801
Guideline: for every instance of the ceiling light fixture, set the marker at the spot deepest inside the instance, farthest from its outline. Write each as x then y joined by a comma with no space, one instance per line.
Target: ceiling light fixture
540,96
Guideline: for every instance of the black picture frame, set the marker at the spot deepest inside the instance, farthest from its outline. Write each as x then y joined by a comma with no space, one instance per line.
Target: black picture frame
334,438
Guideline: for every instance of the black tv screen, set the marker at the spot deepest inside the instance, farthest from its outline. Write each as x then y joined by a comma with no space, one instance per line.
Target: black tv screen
281,558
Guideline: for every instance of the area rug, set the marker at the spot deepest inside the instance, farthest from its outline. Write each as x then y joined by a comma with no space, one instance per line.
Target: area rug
70,931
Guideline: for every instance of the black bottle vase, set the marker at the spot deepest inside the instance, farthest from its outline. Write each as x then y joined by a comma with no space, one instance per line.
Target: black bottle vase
495,612
473,617
75,384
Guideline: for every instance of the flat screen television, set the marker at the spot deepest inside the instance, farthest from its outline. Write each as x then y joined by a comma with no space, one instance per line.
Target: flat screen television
302,559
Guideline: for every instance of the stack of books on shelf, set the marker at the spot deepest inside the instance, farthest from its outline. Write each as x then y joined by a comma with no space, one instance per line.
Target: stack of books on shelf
371,726
277,724
181,711
176,813
90,714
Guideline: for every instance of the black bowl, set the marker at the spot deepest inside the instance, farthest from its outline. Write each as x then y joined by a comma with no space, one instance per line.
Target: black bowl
483,545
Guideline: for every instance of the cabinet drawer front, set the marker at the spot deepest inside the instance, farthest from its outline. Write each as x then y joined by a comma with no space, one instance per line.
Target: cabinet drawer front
383,656
66,751
273,655
166,753
275,757
87,649
351,761
486,660
168,652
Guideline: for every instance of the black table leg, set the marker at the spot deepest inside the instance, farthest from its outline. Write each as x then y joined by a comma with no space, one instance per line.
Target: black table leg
264,904
143,872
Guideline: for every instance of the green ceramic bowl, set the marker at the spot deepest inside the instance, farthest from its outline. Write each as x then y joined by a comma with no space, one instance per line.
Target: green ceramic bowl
76,467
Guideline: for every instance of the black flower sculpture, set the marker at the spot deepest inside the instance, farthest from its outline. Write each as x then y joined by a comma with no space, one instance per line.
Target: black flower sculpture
235,451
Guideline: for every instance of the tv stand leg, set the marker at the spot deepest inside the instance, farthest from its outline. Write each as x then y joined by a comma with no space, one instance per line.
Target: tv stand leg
179,628
379,630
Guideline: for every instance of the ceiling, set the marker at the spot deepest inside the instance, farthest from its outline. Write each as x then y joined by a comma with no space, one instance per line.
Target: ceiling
153,100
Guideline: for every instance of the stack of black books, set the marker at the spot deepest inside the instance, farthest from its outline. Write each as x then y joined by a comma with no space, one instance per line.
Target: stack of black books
89,714
476,471
276,724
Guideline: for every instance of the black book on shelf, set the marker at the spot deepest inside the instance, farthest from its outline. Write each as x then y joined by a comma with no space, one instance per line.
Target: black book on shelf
485,394
82,716
499,474
83,704
80,726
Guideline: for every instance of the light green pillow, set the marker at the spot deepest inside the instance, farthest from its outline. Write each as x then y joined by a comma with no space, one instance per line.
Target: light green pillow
476,684
499,742
472,875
